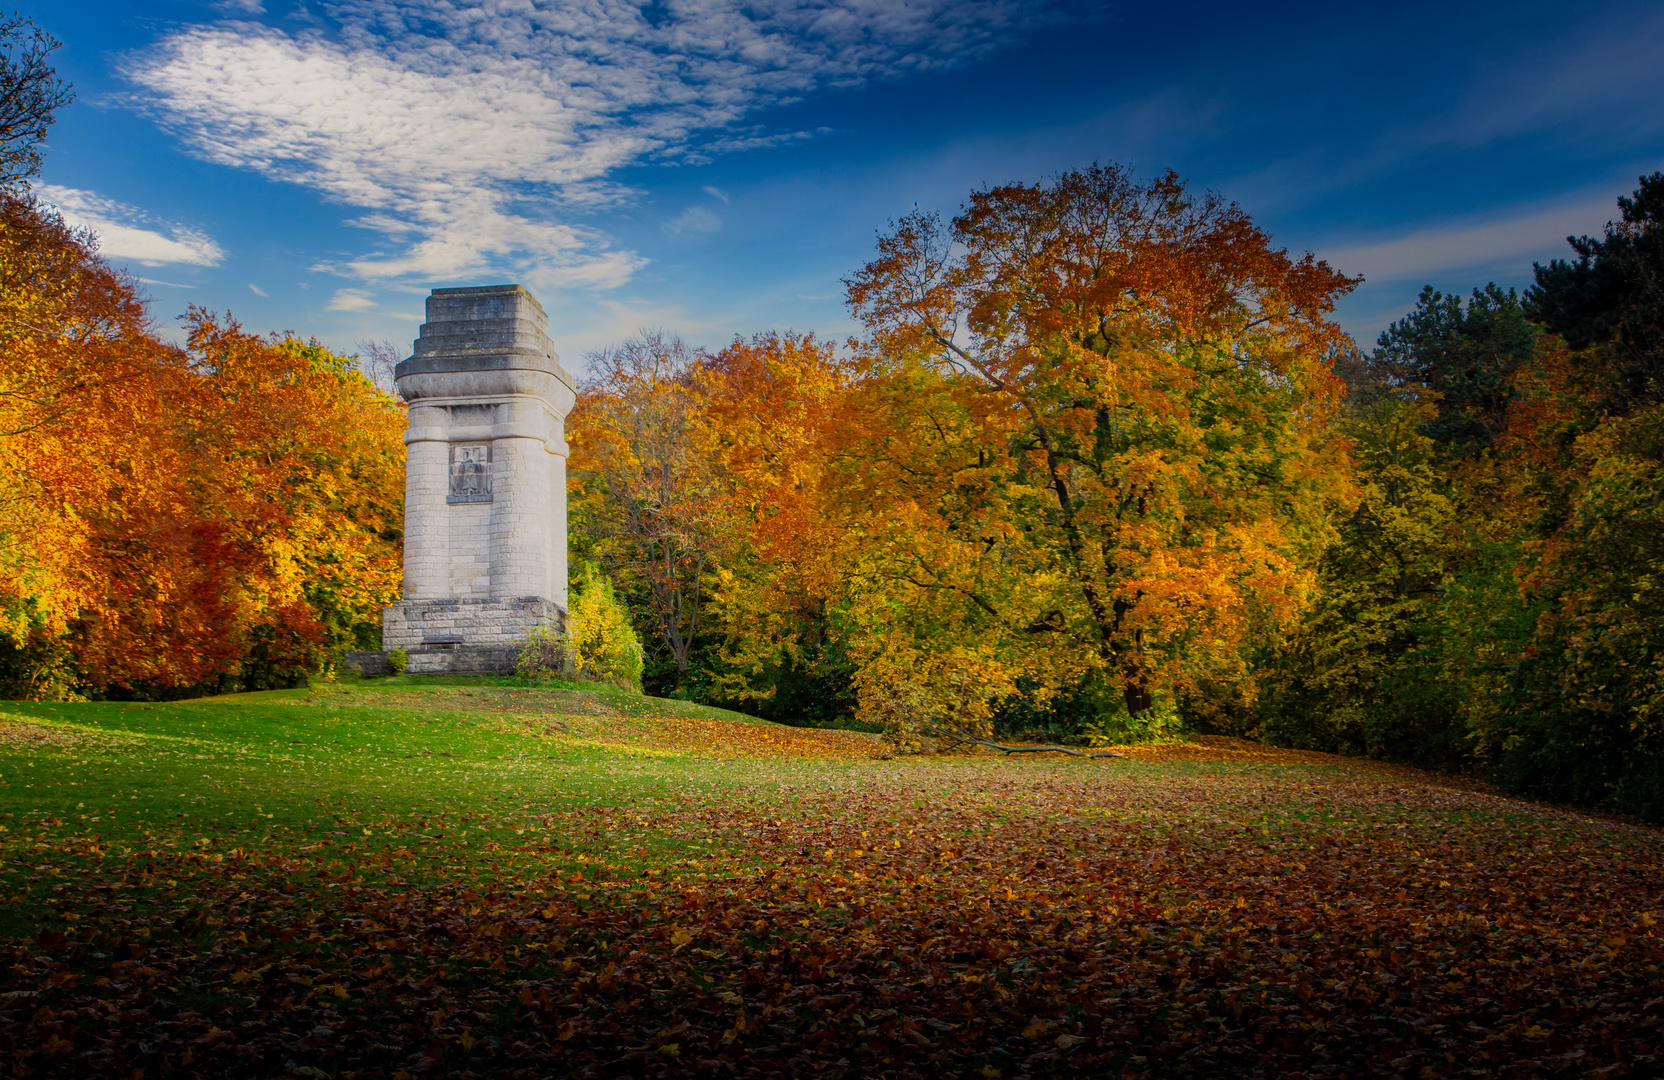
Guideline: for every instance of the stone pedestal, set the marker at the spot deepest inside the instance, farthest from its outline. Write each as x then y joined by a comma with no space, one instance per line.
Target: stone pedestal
485,482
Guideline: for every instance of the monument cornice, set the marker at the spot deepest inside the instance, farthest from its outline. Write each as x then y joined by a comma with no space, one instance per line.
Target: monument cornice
465,361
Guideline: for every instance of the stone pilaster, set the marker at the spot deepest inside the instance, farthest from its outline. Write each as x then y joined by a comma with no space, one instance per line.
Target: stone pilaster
520,533
427,533
556,525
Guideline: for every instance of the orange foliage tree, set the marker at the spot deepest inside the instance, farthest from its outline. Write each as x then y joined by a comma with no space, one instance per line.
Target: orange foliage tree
1092,443
775,407
1085,443
178,518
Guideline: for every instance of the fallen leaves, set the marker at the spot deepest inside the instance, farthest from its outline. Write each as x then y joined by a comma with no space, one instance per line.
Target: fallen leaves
1071,937
752,911
25,731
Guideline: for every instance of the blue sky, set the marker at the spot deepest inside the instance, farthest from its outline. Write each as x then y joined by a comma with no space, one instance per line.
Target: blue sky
715,167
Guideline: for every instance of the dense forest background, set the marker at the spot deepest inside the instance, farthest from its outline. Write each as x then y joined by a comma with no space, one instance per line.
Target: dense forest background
1103,469
1100,467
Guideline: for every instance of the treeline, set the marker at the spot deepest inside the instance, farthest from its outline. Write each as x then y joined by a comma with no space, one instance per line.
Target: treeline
1103,466
1492,602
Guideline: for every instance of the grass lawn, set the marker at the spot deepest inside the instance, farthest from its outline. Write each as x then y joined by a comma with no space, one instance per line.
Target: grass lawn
414,876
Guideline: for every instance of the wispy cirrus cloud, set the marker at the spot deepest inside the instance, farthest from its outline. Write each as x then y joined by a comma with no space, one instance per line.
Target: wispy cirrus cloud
693,220
128,234
1603,80
1529,233
475,137
1598,84
350,300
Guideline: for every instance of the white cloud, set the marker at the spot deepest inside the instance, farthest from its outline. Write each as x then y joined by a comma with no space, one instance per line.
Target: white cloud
240,7
1531,234
695,219
350,300
715,192
121,231
469,134
258,291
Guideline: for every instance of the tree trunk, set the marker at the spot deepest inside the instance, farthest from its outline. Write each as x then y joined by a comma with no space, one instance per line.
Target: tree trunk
1138,697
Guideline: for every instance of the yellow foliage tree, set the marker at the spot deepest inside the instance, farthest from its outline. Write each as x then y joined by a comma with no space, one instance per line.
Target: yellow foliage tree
643,475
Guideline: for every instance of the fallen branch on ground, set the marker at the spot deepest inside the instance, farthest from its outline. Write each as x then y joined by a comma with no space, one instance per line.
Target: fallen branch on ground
933,733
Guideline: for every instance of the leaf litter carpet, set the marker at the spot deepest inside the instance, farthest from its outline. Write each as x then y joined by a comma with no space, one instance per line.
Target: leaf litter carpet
1209,910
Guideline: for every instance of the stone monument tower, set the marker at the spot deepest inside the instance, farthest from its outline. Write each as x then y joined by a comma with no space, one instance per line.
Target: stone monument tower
485,483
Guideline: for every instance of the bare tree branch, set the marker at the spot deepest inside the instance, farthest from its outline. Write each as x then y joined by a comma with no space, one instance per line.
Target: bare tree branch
30,92
377,359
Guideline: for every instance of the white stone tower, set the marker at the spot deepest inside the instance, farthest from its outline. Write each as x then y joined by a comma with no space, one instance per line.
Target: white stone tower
485,482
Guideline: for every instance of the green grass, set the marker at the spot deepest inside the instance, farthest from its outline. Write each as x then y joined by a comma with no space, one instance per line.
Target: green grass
417,779
423,770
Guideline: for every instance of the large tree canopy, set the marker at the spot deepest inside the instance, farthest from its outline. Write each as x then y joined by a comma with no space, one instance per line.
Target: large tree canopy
1100,405
176,518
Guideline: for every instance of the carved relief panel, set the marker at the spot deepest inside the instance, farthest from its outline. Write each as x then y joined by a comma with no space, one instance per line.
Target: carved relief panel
470,473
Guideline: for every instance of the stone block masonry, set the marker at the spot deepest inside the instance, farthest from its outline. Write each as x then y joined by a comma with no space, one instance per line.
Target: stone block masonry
471,635
368,664
485,482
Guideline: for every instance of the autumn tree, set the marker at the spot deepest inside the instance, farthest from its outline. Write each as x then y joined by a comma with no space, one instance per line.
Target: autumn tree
1098,444
1586,722
644,476
76,357
1501,613
296,459
777,407
224,514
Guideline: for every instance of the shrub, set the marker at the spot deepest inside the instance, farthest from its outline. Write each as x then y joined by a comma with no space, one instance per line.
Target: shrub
546,652
603,643
1115,726
905,713
398,659
41,668
1092,712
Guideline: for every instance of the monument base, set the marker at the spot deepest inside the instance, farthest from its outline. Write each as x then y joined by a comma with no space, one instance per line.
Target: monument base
368,664
459,660
466,636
